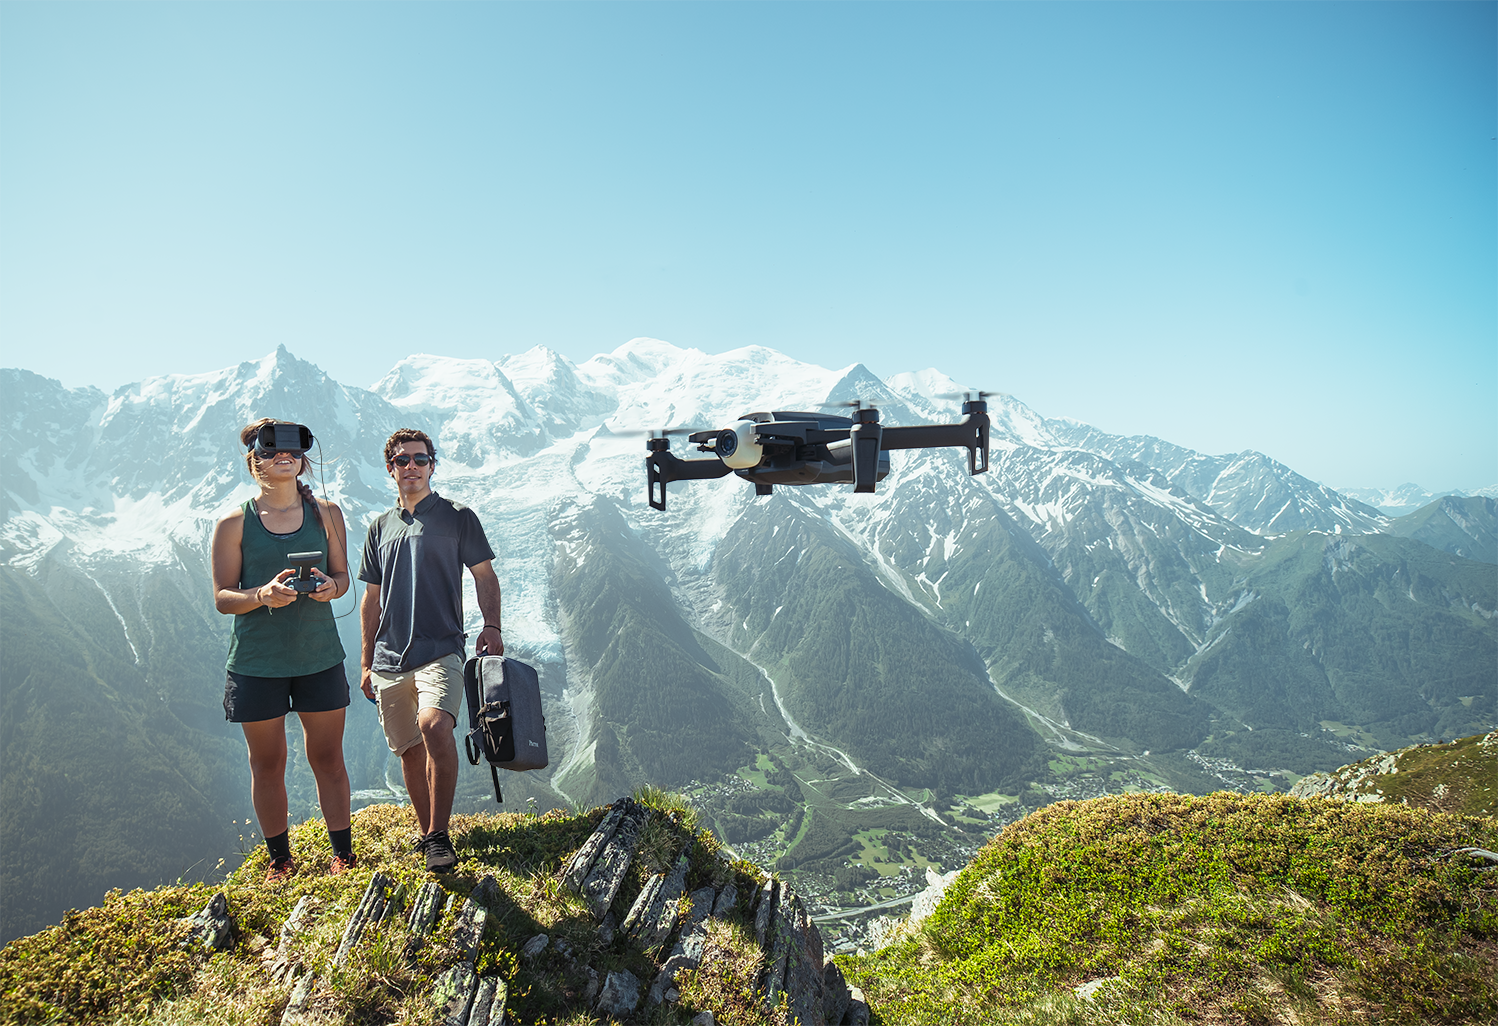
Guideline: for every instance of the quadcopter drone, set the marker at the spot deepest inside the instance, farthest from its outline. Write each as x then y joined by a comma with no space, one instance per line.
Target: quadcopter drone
798,448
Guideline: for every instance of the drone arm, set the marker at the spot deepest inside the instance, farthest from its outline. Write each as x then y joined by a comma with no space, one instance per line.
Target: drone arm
661,467
971,434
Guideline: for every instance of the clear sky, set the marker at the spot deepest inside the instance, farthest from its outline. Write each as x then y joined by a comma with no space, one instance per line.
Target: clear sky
1234,226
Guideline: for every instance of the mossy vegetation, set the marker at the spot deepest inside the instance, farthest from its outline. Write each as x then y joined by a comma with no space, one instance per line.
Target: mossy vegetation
127,961
1224,908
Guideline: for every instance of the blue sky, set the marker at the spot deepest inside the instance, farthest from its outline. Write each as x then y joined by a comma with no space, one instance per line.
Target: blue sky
1234,226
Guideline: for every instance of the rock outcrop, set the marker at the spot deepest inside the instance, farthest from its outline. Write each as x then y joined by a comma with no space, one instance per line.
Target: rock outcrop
211,928
795,970
663,922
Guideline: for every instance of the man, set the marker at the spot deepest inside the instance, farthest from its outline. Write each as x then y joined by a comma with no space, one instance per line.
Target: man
413,640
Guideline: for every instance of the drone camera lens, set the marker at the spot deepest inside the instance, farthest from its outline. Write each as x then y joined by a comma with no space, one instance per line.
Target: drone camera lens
728,442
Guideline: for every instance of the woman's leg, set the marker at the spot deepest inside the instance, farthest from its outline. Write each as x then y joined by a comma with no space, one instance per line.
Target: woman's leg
267,743
322,733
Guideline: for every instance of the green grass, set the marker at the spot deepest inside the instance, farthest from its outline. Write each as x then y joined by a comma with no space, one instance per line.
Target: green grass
756,774
1224,908
871,847
989,803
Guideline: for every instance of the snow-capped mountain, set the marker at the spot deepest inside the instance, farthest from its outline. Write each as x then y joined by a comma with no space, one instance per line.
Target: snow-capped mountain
1408,497
937,635
1254,491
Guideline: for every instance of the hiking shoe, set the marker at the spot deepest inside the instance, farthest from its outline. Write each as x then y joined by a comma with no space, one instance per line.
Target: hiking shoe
439,852
342,863
281,869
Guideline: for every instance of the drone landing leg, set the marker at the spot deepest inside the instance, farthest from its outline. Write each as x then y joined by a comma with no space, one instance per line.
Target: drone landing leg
865,436
763,489
656,485
977,460
661,467
977,453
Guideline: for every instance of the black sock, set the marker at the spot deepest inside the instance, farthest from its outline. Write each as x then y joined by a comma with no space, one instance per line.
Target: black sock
343,841
279,846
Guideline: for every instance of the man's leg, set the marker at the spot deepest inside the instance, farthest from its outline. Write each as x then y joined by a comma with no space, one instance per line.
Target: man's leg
399,718
322,733
267,743
441,765
414,772
440,685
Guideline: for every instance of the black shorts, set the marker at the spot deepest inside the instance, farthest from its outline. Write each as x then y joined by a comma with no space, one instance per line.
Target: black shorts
247,698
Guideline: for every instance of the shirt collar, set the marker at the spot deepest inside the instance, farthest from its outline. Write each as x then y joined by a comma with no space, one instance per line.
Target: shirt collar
421,507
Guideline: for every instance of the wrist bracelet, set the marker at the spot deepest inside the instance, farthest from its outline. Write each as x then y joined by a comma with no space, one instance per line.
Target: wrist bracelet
494,625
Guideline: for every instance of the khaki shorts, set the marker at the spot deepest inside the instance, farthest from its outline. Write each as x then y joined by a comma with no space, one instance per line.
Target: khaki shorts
400,696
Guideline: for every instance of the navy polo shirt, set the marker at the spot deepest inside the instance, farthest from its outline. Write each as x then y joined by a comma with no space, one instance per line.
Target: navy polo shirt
417,559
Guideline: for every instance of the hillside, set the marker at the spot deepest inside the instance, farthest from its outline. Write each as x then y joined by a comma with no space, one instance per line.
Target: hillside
1463,525
1219,909
1386,633
1458,776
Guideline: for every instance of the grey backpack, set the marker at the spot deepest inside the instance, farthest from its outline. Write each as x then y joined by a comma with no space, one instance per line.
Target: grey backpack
505,721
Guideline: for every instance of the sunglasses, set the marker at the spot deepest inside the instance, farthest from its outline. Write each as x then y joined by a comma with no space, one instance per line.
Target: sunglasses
421,459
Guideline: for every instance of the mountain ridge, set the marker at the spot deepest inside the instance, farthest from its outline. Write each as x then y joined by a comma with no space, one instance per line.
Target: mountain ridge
1085,594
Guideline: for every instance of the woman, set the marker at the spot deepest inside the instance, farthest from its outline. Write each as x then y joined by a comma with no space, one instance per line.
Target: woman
285,654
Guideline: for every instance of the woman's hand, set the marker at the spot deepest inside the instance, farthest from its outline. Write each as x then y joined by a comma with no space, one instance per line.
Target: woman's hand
276,593
327,588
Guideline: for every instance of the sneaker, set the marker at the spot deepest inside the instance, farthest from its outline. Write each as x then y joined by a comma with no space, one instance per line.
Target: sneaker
281,869
342,863
439,852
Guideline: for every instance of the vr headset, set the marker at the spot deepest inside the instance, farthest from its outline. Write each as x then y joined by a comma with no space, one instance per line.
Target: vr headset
273,438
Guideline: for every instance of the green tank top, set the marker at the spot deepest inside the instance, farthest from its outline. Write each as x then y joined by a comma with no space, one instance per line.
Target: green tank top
299,638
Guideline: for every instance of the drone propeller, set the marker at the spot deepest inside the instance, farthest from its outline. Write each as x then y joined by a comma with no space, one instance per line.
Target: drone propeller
652,432
963,395
656,439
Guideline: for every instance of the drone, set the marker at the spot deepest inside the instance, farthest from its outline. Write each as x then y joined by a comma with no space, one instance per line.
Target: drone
793,447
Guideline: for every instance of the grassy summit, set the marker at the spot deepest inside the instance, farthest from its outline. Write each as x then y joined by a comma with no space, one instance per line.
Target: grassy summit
124,962
1225,908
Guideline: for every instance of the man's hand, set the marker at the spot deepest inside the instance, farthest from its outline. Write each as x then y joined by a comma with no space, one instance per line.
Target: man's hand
486,589
369,625
490,642
276,593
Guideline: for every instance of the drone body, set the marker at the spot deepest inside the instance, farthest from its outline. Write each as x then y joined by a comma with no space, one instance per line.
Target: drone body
791,447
